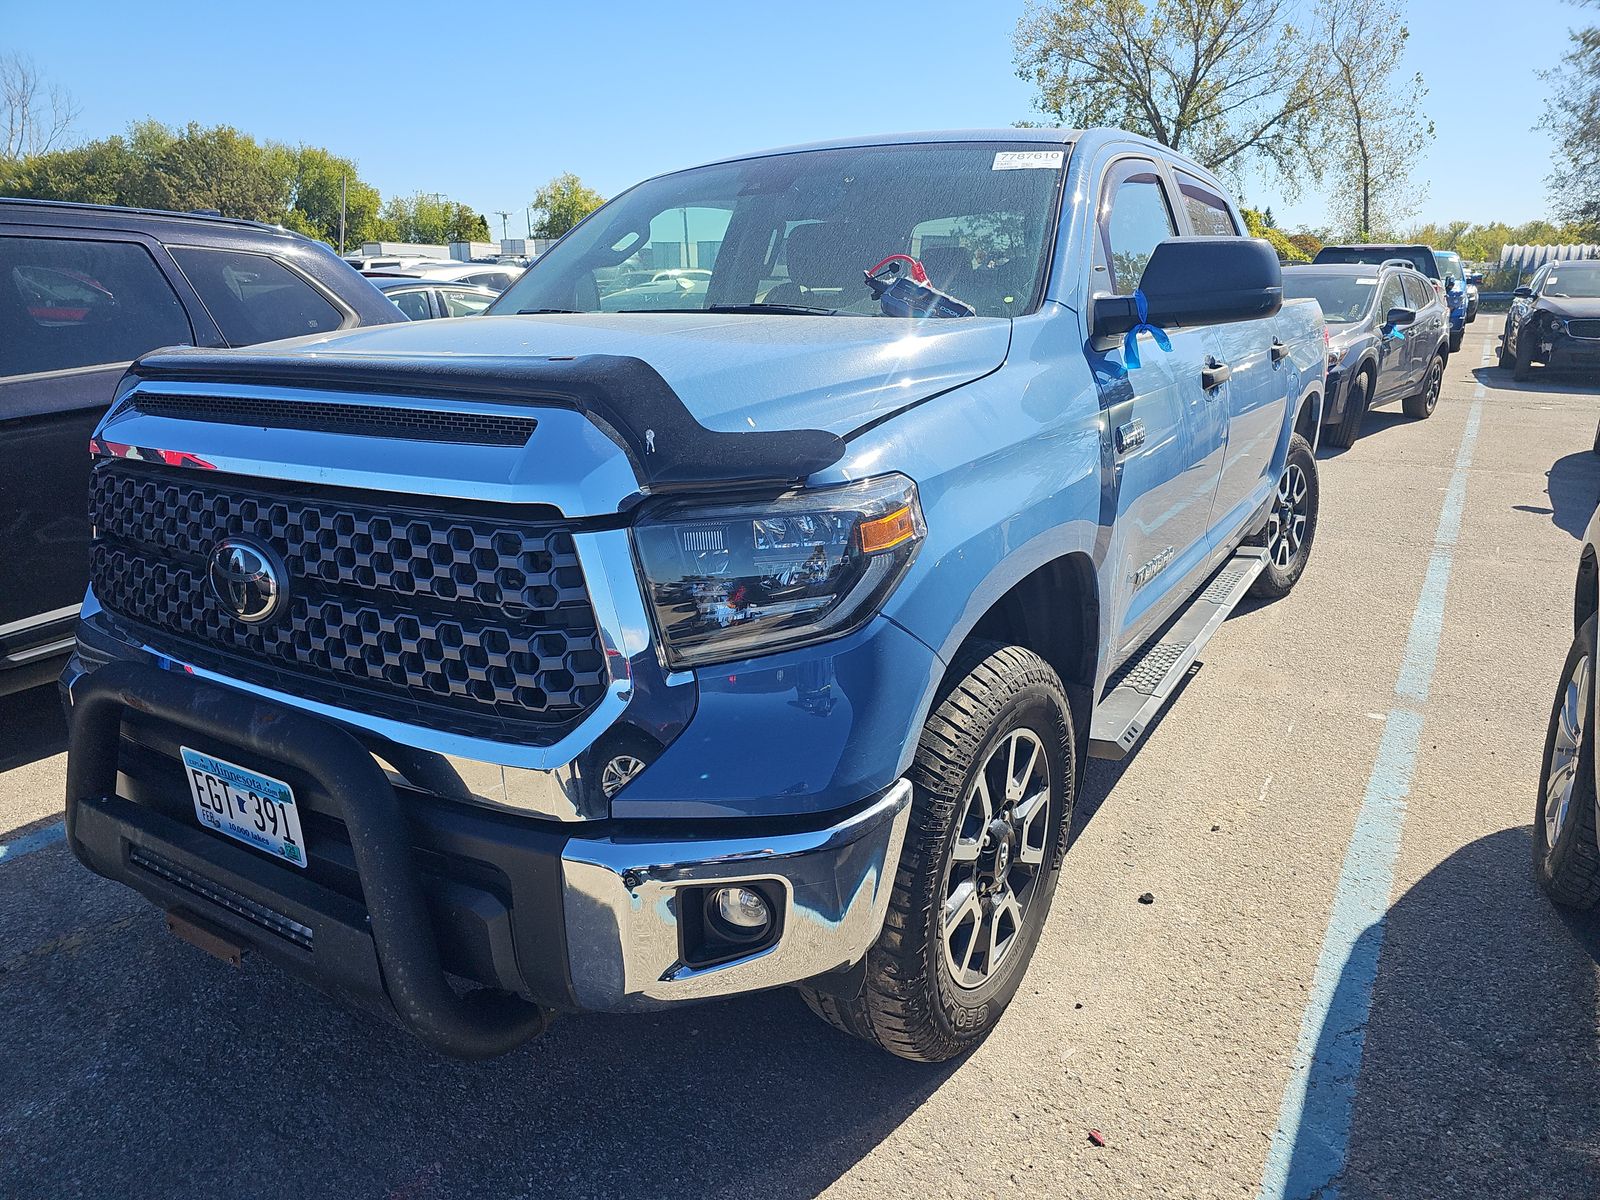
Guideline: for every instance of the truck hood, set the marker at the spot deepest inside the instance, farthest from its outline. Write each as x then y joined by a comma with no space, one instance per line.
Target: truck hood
734,373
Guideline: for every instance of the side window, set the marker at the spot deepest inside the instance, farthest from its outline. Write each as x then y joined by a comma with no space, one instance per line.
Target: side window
1419,292
68,303
1392,296
413,303
458,303
1208,212
254,298
1134,217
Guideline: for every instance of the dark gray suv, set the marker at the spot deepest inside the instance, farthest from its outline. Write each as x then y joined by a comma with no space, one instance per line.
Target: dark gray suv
1388,339
84,290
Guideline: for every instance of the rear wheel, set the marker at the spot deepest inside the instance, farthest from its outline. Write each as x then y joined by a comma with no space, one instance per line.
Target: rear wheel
1344,434
1291,523
1426,399
1566,855
994,778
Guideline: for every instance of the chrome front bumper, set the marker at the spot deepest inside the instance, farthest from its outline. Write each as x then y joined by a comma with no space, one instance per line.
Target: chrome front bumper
623,920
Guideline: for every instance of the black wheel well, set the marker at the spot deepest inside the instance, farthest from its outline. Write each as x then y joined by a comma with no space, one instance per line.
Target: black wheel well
1055,612
1586,597
1307,419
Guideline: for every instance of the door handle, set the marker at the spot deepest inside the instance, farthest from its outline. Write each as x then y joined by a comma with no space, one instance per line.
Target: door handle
1214,374
1279,350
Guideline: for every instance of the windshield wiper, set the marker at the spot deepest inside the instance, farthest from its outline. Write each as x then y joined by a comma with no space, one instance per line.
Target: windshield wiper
533,312
802,310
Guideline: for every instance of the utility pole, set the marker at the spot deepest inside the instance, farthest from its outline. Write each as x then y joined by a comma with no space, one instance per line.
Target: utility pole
344,200
504,215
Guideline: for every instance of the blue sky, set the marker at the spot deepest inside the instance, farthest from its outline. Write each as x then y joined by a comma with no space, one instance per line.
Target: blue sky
486,102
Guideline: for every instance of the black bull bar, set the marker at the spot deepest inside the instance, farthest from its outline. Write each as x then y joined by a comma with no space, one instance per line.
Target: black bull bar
478,1024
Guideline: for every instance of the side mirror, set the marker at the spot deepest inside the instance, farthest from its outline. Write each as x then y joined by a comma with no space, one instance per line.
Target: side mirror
1395,318
1523,293
1199,281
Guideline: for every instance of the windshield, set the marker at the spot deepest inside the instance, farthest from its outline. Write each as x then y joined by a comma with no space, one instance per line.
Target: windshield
1344,298
795,233
1449,265
1579,280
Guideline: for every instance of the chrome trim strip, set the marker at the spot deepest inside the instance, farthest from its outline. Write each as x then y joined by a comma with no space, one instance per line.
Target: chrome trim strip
38,619
622,923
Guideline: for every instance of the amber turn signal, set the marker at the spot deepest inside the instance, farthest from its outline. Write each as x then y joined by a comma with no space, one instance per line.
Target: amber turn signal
888,531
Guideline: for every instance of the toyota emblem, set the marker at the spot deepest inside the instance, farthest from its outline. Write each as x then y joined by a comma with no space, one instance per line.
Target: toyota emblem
244,579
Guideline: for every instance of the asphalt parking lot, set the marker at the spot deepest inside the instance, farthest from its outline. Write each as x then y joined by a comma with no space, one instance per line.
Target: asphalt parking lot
1395,702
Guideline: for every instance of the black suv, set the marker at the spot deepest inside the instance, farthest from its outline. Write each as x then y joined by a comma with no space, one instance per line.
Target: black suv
84,290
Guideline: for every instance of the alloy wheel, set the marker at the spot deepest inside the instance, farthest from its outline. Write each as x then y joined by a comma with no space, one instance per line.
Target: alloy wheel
1571,720
997,858
1286,526
1435,383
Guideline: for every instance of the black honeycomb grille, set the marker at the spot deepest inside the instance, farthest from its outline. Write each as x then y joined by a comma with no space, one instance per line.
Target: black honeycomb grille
417,424
479,625
1584,327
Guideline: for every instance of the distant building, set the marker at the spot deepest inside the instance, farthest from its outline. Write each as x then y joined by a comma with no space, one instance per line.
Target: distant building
1528,259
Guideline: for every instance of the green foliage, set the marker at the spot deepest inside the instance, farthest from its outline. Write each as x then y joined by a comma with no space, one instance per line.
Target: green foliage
220,168
1306,242
1572,115
429,217
564,201
1256,225
1482,243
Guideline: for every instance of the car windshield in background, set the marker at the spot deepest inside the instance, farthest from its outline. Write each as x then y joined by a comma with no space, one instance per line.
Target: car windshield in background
794,233
1449,265
1574,281
1344,298
1377,255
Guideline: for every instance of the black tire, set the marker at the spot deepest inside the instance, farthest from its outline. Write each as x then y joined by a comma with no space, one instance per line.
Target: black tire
1568,866
1421,405
1283,571
911,1002
1504,361
1522,364
1344,434
1597,439
1455,339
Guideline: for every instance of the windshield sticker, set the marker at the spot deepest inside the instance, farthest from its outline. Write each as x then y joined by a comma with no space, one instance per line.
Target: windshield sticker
1028,160
1365,280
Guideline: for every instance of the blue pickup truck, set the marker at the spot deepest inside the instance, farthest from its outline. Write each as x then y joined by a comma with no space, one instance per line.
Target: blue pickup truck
606,660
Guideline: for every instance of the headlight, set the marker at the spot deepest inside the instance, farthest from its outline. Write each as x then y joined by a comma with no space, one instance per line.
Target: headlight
740,578
1555,324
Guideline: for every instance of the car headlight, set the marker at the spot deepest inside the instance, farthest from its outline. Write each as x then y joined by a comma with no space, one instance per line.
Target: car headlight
731,579
1555,324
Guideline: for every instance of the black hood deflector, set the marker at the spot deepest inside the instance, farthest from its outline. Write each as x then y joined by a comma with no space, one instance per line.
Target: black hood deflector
625,397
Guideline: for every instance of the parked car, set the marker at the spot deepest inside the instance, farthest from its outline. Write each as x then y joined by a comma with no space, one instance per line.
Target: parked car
670,288
1474,282
1554,320
710,650
424,299
84,289
1454,277
1566,853
1388,339
496,276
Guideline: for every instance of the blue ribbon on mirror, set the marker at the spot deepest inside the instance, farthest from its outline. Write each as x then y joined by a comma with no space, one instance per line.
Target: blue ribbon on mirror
1130,341
1396,334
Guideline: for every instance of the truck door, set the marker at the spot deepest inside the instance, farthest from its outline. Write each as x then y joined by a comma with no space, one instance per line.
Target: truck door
1256,392
1167,430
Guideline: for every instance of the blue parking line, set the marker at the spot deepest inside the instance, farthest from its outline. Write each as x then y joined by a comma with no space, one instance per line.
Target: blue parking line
28,843
1312,1138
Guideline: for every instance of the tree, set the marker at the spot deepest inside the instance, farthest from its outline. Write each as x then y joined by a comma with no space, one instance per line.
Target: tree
1258,224
564,201
35,116
1224,81
319,177
429,217
1572,114
1374,121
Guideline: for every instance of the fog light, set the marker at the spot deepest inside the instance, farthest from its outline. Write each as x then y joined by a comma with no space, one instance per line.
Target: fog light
740,912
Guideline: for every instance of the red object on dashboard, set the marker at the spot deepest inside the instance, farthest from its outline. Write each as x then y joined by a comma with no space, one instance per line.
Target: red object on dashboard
917,272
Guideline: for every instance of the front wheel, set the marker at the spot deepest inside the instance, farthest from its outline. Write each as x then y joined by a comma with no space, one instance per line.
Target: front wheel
1566,855
1455,339
1522,364
1291,523
1344,434
1426,399
994,780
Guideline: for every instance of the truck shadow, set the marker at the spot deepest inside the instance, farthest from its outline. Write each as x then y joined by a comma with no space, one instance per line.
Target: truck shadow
32,726
171,1064
1479,1059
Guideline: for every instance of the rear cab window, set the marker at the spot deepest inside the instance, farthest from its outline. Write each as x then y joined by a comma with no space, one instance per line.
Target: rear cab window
67,303
255,298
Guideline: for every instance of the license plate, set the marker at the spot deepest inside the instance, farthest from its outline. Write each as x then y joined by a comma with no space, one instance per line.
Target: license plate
252,808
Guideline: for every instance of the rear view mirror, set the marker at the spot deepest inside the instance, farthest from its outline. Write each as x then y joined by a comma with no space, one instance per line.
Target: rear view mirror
1397,317
1199,281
